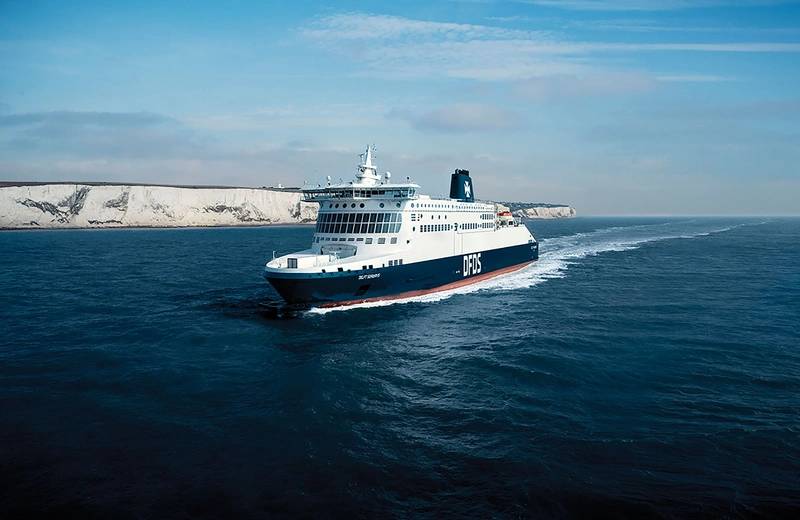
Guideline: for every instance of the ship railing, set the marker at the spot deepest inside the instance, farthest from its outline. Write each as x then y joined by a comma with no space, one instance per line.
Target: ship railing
330,258
358,192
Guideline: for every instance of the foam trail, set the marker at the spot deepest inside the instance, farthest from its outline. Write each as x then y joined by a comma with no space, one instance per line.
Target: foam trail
558,253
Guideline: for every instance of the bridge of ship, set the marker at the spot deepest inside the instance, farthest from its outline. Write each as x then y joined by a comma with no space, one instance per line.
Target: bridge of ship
355,192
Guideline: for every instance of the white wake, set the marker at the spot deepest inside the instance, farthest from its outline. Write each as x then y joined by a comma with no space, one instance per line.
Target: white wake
558,253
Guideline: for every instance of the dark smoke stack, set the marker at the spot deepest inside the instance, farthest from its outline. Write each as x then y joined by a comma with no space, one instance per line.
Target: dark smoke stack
461,186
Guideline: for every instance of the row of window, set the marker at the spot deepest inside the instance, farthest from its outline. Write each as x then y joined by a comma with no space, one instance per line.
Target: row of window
441,206
360,217
477,225
415,217
359,223
358,228
448,227
327,193
369,266
381,240
435,227
353,205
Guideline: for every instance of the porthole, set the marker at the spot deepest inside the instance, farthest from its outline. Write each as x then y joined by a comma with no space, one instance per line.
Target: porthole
381,204
337,205
361,205
398,204
353,205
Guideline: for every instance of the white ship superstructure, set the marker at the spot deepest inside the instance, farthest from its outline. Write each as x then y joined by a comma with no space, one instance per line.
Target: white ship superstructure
370,226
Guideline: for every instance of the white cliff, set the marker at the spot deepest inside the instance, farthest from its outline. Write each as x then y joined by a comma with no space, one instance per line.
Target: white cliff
545,212
98,206
116,205
536,210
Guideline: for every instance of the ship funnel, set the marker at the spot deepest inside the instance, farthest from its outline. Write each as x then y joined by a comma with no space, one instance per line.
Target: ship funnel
461,186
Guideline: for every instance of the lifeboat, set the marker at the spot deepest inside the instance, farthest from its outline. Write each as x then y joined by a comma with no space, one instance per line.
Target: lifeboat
505,218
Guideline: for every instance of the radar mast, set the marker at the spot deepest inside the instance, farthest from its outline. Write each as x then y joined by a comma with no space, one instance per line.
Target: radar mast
367,172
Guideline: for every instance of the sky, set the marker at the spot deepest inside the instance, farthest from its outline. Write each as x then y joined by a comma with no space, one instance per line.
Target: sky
626,107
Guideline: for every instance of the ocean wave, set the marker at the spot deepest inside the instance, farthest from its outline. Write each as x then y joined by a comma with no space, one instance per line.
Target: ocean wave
558,253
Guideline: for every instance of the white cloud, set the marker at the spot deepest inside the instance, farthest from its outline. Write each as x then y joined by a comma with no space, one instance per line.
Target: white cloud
694,78
646,5
598,83
362,26
399,47
746,47
329,115
461,118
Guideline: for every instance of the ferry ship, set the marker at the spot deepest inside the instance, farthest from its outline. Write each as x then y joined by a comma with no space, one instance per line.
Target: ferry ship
376,239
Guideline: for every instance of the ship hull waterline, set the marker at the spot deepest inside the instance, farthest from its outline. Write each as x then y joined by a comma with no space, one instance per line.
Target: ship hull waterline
401,281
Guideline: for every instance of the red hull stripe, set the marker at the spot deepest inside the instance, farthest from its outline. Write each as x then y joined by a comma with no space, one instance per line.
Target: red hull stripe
452,285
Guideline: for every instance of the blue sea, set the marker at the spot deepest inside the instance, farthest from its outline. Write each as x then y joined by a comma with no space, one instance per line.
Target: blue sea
642,368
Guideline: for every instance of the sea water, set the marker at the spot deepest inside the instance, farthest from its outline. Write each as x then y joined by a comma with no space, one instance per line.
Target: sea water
642,367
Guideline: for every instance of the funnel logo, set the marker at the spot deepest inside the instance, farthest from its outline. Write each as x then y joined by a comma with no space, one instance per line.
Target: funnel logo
467,190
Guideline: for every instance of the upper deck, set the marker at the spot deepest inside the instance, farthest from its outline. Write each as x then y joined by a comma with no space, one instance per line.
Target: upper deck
367,185
355,191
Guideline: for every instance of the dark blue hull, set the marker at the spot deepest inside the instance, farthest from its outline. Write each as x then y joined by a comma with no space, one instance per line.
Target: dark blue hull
402,280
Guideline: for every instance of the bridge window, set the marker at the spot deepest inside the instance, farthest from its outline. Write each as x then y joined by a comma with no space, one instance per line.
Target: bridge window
358,223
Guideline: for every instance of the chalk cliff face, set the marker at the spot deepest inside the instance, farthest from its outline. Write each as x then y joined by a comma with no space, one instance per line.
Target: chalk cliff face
99,206
536,211
88,206
545,212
